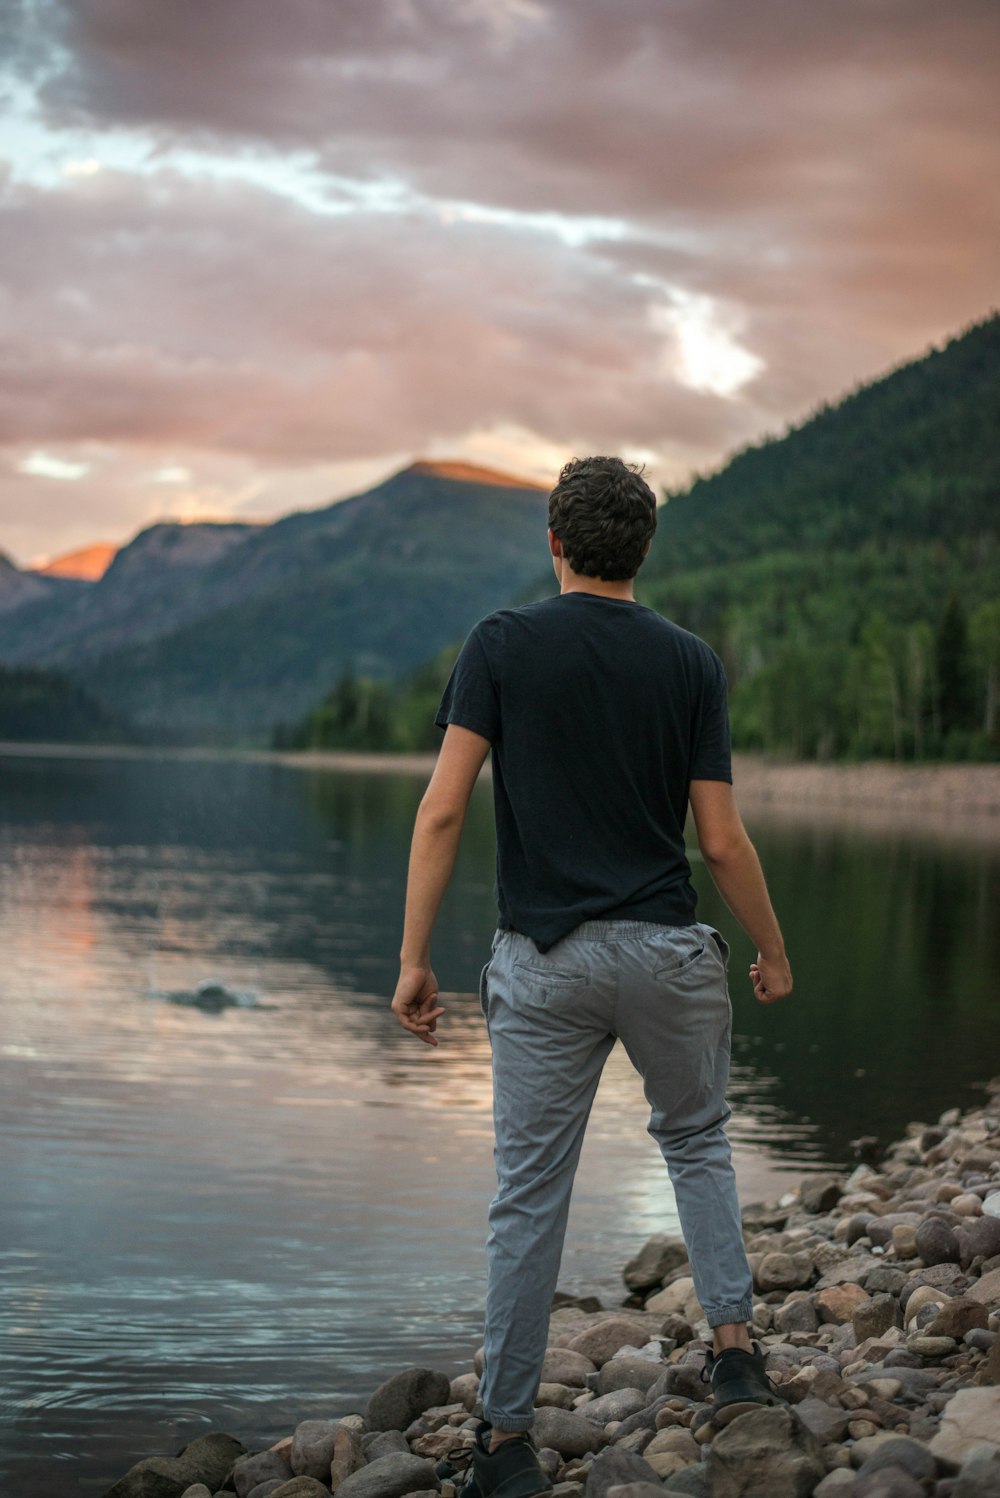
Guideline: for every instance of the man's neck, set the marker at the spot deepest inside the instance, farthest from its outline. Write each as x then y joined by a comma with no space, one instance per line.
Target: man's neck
575,582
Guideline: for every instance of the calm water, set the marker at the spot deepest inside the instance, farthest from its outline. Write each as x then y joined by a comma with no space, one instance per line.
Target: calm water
242,1219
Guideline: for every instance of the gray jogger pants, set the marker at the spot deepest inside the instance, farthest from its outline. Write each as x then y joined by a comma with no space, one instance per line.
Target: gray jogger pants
553,1019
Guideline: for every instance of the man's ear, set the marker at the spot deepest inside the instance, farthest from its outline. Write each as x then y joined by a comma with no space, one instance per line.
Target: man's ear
648,545
555,545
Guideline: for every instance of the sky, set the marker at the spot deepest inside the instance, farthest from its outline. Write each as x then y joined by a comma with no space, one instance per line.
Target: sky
257,256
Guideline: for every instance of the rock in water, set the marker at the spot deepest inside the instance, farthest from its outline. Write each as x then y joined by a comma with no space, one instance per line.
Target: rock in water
769,1451
207,1460
403,1397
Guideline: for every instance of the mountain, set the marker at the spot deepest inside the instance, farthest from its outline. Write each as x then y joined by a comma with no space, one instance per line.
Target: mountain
214,633
848,573
87,562
18,588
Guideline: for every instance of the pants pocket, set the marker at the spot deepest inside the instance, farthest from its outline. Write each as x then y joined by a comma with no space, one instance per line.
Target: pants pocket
722,945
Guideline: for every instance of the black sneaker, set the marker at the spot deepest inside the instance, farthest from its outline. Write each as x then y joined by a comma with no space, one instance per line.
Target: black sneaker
739,1383
512,1471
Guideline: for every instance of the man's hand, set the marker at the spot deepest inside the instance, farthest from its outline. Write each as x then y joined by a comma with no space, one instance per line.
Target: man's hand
414,1002
772,980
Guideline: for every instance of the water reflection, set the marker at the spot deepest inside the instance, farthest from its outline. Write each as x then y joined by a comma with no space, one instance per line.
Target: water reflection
244,1214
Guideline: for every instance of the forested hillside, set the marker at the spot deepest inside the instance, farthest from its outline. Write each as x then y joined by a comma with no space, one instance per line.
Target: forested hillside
38,705
849,572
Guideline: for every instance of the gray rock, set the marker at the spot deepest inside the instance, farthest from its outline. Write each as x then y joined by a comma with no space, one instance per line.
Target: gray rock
207,1460
979,1478
770,1451
884,1279
890,1482
980,1238
561,1366
261,1467
960,1315
636,1490
876,1317
857,1226
783,1271
828,1422
198,1490
839,1481
390,1477
914,1380
795,1316
301,1487
626,1373
880,1228
405,1396
914,1459
312,1448
692,1480
383,1443
602,1340
654,1261
265,1489
819,1193
617,1405
615,1467
937,1243
463,1390
644,1419
566,1432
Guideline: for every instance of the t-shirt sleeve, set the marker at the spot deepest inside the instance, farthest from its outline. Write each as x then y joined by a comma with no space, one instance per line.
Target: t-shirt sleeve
470,698
712,758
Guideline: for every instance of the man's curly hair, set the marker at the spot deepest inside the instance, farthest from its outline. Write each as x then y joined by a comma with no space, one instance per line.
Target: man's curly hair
604,513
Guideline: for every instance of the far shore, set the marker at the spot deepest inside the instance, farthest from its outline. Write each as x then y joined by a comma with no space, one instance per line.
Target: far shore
961,800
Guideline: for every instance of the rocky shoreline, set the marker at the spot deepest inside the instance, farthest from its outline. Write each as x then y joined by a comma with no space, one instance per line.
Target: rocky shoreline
877,1301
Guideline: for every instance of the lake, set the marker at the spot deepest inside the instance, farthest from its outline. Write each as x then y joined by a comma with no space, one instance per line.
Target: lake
241,1217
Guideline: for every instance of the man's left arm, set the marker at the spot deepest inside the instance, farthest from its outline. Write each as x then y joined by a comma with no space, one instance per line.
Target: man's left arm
436,834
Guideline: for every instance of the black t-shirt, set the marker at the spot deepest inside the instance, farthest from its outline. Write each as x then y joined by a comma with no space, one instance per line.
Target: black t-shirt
600,713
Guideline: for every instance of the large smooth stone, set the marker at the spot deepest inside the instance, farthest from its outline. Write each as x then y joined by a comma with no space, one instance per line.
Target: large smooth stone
566,1432
614,1467
770,1451
390,1477
405,1396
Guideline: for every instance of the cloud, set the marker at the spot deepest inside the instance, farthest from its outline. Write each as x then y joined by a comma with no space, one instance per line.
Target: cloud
367,230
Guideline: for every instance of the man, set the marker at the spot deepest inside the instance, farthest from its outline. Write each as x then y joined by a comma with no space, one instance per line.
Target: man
605,721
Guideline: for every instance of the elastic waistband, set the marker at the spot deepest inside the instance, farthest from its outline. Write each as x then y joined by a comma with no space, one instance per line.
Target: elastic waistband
620,930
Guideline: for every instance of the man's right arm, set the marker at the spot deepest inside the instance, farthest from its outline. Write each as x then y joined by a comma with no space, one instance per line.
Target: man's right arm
732,861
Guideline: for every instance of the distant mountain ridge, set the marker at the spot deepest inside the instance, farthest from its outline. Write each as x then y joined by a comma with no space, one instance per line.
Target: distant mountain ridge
213,632
86,562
